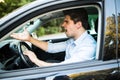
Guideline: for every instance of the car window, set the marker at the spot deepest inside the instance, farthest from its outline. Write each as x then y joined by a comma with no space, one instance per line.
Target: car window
50,30
50,23
53,27
47,27
111,48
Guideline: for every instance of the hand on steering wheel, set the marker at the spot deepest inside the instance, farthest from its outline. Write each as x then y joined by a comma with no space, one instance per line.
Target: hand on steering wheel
25,59
31,55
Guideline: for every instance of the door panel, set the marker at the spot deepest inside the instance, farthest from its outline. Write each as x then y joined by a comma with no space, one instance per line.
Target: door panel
95,75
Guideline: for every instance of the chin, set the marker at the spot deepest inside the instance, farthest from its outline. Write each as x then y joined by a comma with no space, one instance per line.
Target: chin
69,36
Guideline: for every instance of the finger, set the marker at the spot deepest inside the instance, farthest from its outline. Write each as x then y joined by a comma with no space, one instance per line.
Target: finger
14,35
17,36
25,53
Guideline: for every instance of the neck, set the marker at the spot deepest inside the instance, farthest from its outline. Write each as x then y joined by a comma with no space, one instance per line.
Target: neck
79,33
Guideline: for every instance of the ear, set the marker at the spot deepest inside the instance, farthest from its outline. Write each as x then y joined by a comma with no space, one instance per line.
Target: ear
79,24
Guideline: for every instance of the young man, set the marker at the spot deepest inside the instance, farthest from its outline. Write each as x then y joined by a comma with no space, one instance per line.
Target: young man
80,47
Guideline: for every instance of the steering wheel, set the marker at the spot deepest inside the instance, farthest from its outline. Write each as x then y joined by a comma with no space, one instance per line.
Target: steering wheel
21,47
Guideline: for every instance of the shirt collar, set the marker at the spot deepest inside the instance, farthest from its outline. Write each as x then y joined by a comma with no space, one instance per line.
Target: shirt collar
81,38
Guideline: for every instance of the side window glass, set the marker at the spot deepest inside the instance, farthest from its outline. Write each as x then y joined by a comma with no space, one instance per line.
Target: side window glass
110,30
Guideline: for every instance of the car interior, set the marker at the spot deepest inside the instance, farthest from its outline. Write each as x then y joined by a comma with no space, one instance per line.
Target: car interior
11,50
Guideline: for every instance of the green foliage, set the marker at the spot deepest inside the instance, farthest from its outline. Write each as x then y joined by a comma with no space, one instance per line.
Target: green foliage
9,5
92,17
40,31
47,30
51,27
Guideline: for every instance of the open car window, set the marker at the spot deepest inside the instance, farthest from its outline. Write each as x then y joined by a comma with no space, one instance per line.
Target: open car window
50,23
47,27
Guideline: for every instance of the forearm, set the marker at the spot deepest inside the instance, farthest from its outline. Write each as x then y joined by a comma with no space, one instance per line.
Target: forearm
35,60
42,63
41,44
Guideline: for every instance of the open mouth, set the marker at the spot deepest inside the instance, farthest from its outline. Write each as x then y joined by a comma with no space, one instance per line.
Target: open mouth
64,30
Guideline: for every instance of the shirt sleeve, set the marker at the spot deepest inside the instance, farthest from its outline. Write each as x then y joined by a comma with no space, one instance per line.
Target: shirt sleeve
56,47
84,53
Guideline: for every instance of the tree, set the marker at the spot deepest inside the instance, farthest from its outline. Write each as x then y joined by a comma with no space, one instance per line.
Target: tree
8,6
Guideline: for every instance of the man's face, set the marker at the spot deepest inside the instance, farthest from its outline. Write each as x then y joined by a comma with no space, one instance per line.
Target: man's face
69,26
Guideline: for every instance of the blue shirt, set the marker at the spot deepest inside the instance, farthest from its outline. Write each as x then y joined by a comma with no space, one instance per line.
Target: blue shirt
82,49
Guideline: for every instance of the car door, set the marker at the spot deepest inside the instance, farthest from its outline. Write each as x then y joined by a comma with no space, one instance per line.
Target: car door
93,69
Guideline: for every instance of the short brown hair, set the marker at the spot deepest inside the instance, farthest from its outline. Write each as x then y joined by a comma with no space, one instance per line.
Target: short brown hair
79,14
